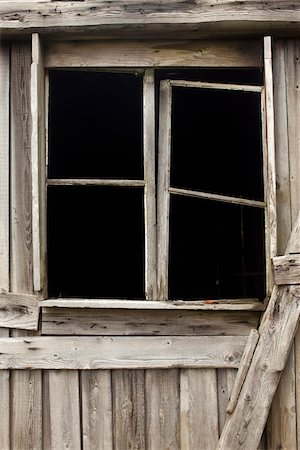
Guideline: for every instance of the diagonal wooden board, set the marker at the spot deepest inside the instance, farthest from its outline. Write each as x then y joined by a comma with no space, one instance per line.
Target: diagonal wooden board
244,427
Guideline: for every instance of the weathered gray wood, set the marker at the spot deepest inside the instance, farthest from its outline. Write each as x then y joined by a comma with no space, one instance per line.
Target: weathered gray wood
219,86
4,403
96,410
217,197
4,167
72,321
212,17
19,311
162,409
26,424
64,410
149,193
243,369
293,243
94,182
215,305
121,352
128,390
287,269
163,184
199,409
153,54
226,378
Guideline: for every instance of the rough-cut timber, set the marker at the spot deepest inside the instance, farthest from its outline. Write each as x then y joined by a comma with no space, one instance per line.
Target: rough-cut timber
197,18
287,269
19,311
121,352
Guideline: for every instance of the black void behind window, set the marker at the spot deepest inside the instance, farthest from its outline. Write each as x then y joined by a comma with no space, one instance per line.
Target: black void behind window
96,235
95,125
217,250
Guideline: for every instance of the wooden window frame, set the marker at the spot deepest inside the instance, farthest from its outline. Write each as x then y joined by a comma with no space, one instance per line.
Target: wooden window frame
139,56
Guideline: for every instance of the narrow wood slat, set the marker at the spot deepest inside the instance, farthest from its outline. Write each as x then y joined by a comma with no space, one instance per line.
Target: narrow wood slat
243,370
64,410
226,378
287,269
96,410
220,305
72,321
217,197
162,409
4,402
293,243
4,167
153,53
128,389
94,182
121,352
217,86
199,409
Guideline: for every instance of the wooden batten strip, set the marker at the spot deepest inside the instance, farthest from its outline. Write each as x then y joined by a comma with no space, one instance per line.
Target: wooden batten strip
152,53
4,167
216,86
121,352
243,369
217,197
287,269
94,182
149,193
19,311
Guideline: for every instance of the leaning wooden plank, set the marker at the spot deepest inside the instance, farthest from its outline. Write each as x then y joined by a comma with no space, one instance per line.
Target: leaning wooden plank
4,167
199,409
162,393
37,162
96,410
64,410
209,305
287,269
217,86
116,322
19,311
128,393
244,427
121,352
243,369
153,54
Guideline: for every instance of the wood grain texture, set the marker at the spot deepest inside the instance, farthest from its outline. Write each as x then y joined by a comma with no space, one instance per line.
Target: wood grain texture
4,403
226,378
225,17
287,269
128,391
153,54
68,321
19,311
162,409
199,409
4,167
121,352
96,410
64,410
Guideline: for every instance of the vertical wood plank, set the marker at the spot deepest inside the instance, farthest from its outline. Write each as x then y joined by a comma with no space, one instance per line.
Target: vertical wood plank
162,409
226,378
26,423
38,161
4,227
4,167
149,175
128,387
96,409
64,409
199,409
163,182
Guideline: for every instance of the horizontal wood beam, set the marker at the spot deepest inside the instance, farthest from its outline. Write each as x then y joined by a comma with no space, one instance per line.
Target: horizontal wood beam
287,269
94,182
200,18
208,305
121,352
19,311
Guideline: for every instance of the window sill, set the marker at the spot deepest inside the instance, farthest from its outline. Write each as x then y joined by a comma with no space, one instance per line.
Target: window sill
209,305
